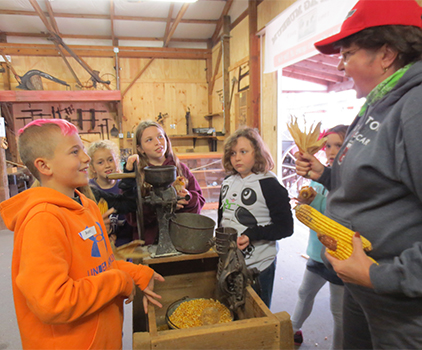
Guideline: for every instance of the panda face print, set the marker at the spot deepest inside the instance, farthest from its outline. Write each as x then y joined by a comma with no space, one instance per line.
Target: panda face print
224,190
248,196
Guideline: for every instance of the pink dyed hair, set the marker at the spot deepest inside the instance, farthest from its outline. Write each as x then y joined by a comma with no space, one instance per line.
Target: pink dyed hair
66,127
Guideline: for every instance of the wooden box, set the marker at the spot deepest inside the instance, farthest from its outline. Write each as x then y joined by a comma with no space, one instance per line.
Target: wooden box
195,276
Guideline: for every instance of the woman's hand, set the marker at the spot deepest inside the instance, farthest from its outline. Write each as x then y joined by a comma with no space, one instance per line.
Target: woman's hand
182,202
149,295
242,242
356,268
130,160
308,166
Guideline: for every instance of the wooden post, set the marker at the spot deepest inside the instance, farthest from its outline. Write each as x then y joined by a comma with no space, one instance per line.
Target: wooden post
209,77
225,41
254,65
4,183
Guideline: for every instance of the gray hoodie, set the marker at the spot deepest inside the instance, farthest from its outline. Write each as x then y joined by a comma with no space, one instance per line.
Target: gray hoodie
376,185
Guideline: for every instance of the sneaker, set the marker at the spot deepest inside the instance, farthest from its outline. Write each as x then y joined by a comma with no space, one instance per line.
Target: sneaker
298,338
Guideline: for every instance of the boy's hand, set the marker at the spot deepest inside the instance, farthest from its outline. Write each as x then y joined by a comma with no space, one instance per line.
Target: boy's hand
132,159
149,295
132,295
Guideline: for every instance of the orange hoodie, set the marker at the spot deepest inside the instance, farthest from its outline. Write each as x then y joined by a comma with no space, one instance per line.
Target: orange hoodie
68,289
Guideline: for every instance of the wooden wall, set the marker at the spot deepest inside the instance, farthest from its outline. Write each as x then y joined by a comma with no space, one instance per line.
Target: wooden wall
168,86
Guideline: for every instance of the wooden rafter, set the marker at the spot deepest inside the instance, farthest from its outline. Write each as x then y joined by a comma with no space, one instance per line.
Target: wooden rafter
124,18
62,54
103,37
42,15
217,65
51,15
142,71
113,38
106,51
176,23
220,23
169,17
56,37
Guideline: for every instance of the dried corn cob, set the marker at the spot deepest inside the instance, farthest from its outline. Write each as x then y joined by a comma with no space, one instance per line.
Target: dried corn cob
102,204
336,237
305,192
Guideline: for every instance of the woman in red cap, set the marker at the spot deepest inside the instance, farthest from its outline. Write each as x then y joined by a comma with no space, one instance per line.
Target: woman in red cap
375,182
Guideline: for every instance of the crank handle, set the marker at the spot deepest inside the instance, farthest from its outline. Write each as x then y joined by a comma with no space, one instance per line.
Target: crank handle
187,197
121,176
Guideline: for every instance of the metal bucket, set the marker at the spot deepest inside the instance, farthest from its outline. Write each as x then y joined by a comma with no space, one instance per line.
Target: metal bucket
191,233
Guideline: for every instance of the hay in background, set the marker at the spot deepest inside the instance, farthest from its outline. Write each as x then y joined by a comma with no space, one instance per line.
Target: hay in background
307,140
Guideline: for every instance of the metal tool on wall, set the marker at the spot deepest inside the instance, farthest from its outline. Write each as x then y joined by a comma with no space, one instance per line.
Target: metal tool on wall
242,76
59,42
188,122
80,121
33,113
25,80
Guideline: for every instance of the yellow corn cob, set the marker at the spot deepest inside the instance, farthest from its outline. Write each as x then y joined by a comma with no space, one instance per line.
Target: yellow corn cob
102,204
336,237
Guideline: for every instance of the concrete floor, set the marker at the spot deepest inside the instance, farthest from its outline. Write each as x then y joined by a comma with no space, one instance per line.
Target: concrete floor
317,330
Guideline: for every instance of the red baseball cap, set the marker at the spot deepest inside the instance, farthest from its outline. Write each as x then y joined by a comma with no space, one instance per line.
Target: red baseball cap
373,13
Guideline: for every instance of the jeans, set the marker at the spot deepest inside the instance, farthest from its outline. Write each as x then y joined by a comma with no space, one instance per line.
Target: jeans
266,280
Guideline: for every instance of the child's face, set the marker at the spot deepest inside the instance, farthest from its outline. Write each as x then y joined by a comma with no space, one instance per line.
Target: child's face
243,157
154,145
68,169
333,145
103,163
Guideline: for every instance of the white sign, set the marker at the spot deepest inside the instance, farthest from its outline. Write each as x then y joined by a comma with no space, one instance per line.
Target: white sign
2,128
290,37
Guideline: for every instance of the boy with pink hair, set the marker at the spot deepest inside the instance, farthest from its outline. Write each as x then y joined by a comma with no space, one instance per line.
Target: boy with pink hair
68,288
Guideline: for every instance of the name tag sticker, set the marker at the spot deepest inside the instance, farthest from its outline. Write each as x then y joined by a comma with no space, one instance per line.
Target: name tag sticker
88,232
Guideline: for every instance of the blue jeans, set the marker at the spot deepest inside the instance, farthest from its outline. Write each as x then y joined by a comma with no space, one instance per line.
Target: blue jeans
266,280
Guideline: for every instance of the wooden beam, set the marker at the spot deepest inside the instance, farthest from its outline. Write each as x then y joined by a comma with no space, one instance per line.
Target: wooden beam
95,16
7,112
59,96
176,23
315,74
4,183
304,78
220,23
209,78
103,37
225,42
169,17
41,15
51,15
239,19
217,65
114,40
137,77
254,65
106,51
6,76
62,54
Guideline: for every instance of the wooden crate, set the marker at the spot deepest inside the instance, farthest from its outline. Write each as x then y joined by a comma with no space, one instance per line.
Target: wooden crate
195,276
